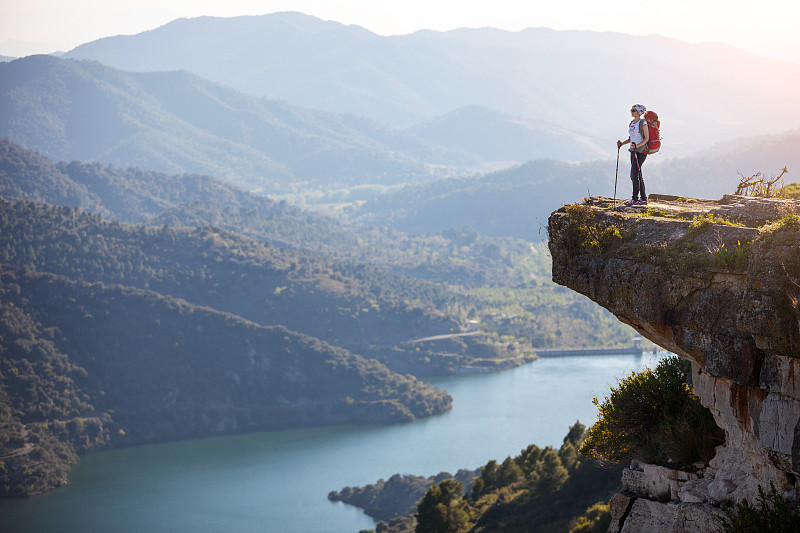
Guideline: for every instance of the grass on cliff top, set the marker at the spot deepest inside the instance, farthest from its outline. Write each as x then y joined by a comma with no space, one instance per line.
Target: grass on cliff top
595,235
705,220
784,232
687,254
587,232
653,212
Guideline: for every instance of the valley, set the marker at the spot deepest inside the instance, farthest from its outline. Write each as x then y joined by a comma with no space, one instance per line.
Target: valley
283,334
250,263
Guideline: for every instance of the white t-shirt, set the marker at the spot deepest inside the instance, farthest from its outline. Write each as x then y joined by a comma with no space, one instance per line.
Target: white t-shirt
635,133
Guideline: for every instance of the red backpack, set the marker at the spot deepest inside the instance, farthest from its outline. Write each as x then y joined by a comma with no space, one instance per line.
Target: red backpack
654,127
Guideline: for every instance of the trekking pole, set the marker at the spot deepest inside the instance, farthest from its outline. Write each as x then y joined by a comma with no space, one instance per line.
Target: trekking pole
616,174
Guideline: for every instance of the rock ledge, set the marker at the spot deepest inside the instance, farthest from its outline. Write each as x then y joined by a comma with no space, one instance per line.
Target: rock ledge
716,282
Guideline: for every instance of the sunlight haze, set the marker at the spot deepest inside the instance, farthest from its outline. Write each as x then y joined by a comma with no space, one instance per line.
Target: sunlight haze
766,28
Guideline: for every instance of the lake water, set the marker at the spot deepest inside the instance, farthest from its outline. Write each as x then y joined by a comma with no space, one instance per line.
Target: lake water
278,481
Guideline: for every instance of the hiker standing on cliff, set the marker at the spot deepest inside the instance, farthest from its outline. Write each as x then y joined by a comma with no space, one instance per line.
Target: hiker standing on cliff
638,135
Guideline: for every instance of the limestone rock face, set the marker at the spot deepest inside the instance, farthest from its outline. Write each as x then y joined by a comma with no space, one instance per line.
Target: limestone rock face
650,516
722,296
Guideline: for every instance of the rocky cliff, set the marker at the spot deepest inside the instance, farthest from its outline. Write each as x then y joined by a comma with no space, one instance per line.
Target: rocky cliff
717,283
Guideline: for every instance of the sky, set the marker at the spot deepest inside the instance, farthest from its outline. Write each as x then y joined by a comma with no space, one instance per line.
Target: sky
766,27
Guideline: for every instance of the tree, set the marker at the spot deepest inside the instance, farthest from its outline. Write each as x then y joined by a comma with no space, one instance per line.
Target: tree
509,473
443,509
568,455
552,474
575,433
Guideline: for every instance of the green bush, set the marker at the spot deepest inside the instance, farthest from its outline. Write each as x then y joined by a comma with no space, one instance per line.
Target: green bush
655,417
772,513
596,519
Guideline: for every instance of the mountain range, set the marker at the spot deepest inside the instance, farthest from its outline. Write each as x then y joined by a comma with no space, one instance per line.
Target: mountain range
584,82
177,122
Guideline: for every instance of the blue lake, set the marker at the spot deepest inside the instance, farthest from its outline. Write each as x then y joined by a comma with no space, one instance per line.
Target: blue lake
279,481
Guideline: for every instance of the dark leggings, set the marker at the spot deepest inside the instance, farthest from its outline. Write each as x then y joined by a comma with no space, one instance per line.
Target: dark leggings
637,160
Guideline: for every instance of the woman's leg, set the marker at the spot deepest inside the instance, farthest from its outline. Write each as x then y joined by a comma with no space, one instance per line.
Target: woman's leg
635,175
641,158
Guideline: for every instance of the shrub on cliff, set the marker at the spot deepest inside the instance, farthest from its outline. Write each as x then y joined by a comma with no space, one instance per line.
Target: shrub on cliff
655,417
772,513
596,520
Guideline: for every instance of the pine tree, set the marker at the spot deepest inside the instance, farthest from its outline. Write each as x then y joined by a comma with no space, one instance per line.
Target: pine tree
443,509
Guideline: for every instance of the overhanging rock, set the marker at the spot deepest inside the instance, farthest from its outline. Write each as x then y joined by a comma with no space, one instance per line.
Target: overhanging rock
717,283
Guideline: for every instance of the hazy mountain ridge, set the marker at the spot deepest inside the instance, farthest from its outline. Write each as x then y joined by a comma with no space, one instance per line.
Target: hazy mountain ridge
176,122
578,80
133,195
516,202
512,202
496,136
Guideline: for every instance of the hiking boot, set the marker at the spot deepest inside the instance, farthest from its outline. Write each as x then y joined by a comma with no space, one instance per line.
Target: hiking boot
629,203
642,202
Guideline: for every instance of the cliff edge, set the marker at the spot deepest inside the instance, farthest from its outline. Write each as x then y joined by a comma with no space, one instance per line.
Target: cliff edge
716,282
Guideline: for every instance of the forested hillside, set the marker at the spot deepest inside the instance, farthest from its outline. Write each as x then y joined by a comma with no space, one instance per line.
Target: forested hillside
541,489
138,196
221,270
502,282
514,202
89,365
113,309
117,334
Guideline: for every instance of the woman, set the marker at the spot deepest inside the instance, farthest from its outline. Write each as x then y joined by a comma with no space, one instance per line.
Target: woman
638,135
